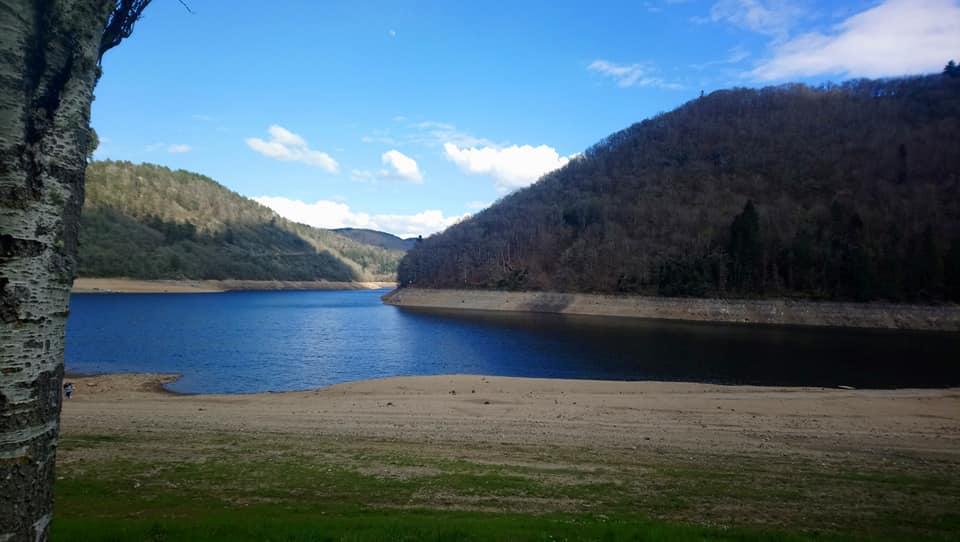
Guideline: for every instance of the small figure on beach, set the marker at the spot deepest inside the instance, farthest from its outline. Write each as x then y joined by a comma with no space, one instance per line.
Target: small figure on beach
68,389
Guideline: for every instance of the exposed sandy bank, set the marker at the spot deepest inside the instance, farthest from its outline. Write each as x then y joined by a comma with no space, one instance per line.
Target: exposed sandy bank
774,311
125,285
602,415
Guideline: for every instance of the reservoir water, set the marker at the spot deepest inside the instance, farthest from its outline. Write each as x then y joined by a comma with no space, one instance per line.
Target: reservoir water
242,342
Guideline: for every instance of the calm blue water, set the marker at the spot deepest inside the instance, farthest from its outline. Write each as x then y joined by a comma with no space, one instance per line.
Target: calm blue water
273,341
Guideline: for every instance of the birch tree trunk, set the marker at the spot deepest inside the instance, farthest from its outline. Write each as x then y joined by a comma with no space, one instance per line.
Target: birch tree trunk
49,55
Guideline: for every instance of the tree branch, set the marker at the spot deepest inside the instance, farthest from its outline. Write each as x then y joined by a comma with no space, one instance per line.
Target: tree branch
120,24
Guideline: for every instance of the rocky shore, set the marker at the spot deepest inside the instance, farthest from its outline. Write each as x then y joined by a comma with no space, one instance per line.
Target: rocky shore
768,311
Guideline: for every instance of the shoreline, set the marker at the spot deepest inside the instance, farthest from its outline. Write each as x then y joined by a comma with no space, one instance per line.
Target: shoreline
147,382
700,418
746,457
734,311
89,285
158,382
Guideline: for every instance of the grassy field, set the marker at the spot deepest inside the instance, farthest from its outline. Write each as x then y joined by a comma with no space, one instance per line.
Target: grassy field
174,486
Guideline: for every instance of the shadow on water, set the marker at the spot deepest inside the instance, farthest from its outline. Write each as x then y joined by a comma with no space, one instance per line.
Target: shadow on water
637,349
272,341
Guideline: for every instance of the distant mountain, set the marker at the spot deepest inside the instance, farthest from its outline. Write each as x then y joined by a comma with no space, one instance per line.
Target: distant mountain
377,238
846,192
147,221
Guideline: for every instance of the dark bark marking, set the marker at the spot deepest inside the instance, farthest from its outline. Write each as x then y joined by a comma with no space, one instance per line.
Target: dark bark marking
35,66
46,391
9,302
11,247
14,197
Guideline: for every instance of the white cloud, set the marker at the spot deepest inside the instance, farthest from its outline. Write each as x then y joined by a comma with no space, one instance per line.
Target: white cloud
402,165
379,136
630,75
433,133
333,214
287,146
897,37
173,148
423,133
770,17
734,56
511,167
364,175
423,223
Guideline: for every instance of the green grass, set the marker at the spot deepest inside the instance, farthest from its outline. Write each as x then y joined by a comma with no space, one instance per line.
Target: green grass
273,524
218,487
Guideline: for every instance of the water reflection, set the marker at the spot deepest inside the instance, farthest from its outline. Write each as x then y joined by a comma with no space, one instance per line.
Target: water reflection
260,341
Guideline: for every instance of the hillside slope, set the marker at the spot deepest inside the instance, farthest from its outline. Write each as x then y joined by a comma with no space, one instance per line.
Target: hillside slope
149,222
848,192
377,238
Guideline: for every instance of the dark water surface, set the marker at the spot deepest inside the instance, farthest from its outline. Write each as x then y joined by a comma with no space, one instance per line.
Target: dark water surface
273,341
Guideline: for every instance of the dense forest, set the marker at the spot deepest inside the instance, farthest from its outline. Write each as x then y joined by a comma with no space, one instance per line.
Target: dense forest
146,221
842,192
377,238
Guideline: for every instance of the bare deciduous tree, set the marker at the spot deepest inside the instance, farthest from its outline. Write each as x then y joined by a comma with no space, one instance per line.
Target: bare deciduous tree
855,189
50,52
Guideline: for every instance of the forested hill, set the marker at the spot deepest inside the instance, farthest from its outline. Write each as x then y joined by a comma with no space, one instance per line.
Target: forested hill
848,192
147,221
377,238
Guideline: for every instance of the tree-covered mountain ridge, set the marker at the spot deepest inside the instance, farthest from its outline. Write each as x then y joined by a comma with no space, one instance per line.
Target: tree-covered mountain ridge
842,192
377,238
149,222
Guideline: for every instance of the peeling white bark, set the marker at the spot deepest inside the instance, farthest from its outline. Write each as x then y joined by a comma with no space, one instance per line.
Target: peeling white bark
48,68
41,527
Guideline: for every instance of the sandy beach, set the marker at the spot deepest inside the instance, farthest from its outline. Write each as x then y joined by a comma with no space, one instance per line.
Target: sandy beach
124,285
602,415
360,455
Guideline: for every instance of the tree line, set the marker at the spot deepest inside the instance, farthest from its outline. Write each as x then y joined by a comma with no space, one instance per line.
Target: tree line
149,222
840,192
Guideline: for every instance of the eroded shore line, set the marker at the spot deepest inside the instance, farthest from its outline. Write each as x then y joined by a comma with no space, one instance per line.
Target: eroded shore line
126,285
772,311
699,418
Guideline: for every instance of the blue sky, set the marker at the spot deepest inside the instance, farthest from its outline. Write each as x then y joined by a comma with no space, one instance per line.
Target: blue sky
405,116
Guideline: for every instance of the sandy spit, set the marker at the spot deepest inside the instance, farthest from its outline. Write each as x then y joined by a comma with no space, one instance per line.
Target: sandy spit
126,285
603,415
768,311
